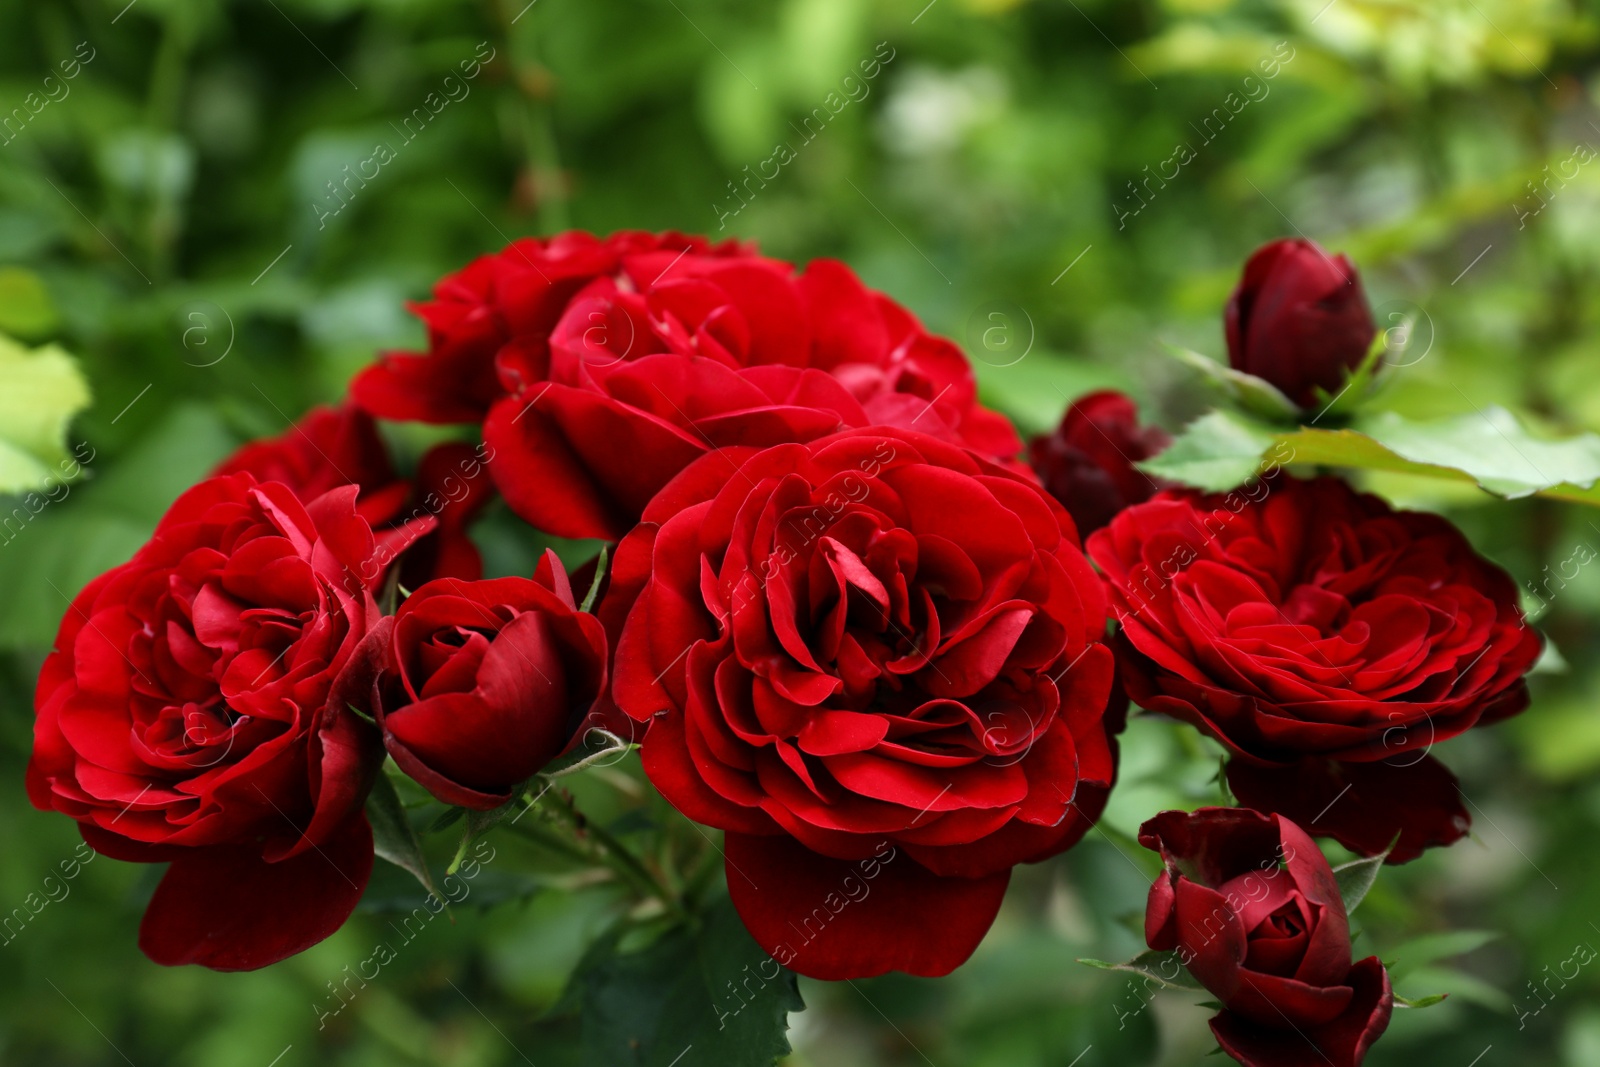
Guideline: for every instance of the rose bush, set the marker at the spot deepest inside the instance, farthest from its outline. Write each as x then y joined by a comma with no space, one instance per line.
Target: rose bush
602,368
194,710
878,648
1313,626
1252,909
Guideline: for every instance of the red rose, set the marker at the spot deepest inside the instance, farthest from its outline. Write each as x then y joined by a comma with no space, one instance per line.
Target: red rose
517,293
192,712
1088,462
331,447
1303,621
875,660
484,682
621,362
1253,911
1299,319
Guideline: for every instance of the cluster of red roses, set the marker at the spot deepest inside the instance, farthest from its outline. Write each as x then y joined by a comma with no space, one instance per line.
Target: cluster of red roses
847,624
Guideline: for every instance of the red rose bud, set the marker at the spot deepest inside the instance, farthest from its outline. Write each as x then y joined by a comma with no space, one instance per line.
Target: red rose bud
875,660
602,368
1252,909
483,682
1299,319
1088,462
194,711
1293,619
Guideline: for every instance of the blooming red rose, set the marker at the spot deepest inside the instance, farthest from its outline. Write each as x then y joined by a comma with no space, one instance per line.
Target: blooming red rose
482,683
1303,621
1087,463
517,293
875,660
1299,319
331,447
192,712
1253,911
606,367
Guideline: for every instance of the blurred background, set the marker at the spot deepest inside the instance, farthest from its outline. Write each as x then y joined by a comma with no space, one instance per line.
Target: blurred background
194,204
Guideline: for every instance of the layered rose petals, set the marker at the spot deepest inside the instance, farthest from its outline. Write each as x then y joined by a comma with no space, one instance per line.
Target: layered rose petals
480,684
602,368
1306,620
519,292
874,640
192,712
1252,909
332,447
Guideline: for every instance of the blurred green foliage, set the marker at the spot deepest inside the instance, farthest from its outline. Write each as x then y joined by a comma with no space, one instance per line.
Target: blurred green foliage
177,210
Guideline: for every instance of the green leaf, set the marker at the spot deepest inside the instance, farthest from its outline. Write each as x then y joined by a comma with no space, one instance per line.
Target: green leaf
1217,451
707,988
1361,384
392,835
40,391
1421,1002
1256,395
1489,448
1493,449
1162,968
1356,878
1422,951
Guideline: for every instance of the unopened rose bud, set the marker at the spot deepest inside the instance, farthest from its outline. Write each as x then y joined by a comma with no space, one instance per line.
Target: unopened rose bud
1299,319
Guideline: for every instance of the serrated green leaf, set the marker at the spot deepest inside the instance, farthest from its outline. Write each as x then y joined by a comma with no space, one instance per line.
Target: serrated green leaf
40,392
707,988
1162,968
1356,878
1217,451
1493,449
392,835
1489,448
